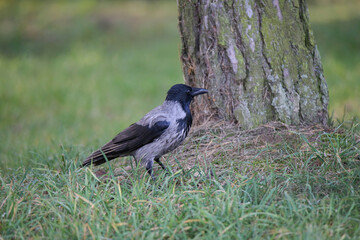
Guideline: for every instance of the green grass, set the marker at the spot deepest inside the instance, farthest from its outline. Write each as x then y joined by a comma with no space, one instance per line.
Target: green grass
308,193
337,32
78,72
74,73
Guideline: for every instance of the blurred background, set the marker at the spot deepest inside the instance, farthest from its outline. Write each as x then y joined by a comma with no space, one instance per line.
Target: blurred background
74,73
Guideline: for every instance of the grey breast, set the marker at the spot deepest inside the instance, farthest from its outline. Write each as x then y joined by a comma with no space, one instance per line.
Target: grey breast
169,111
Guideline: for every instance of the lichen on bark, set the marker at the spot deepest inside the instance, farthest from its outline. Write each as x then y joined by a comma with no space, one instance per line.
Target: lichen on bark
258,59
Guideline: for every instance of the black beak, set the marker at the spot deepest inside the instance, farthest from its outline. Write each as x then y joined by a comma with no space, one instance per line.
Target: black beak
198,91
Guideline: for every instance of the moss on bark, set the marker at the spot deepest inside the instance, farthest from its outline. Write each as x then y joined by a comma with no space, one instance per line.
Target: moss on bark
258,59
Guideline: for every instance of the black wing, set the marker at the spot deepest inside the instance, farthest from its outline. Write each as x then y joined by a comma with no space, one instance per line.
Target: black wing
126,142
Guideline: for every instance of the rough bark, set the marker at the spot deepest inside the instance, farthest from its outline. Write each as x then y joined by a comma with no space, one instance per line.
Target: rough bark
258,59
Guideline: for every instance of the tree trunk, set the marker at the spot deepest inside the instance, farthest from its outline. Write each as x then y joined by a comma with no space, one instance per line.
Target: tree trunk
258,59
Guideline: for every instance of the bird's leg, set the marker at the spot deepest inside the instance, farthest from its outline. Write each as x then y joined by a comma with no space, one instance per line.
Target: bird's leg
149,169
161,165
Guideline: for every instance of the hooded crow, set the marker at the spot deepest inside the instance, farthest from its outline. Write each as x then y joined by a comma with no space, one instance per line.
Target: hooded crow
160,131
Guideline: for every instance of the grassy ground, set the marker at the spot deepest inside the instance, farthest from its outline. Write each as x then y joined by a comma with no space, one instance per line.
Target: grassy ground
68,69
290,184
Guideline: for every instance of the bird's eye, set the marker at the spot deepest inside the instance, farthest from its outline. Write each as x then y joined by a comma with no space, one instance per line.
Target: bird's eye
188,91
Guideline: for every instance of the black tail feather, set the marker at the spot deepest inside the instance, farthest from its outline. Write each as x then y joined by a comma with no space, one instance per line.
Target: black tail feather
96,159
110,151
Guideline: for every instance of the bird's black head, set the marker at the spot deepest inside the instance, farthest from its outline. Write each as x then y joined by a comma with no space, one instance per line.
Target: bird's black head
184,94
